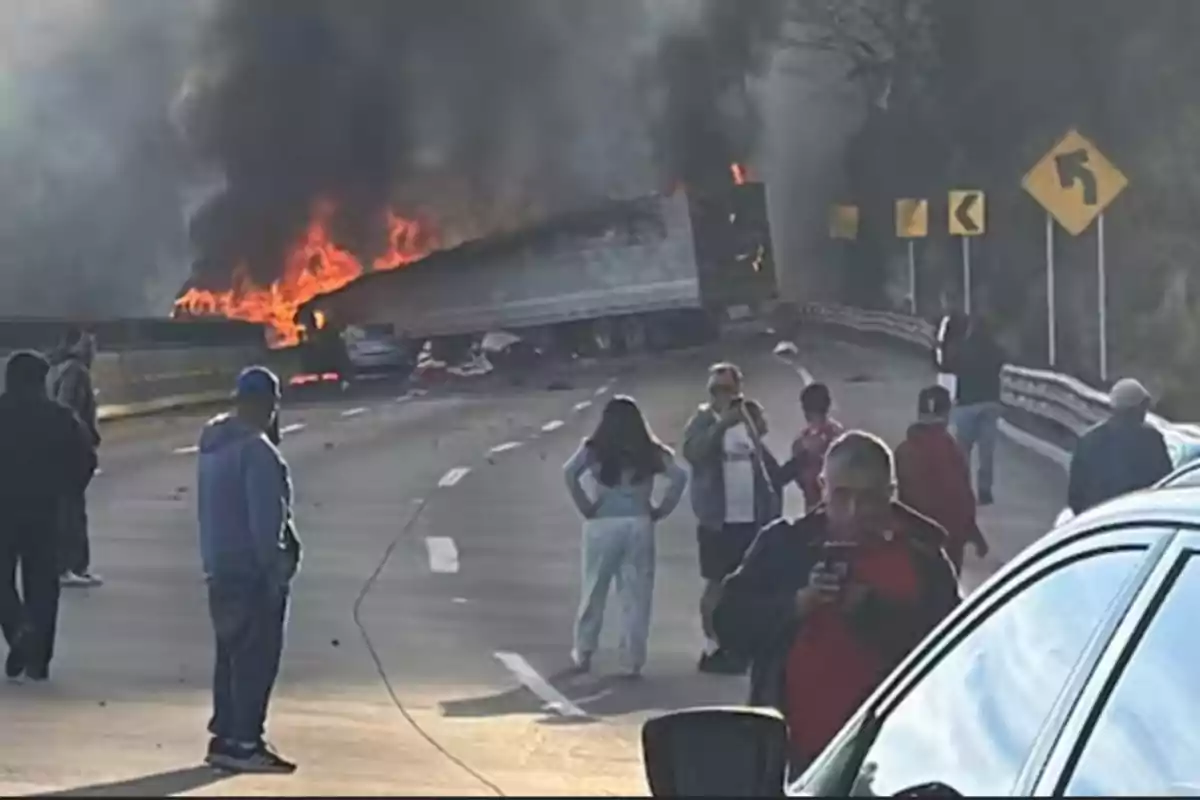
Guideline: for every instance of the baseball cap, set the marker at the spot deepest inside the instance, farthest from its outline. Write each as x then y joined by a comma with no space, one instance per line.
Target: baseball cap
256,382
1128,394
933,404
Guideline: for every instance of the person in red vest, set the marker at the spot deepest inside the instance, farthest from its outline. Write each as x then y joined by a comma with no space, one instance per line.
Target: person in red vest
826,606
809,448
933,477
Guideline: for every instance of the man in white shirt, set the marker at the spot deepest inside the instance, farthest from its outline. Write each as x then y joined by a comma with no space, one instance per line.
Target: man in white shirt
734,492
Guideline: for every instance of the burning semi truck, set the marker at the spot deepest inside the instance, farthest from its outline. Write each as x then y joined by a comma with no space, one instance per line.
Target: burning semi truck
652,273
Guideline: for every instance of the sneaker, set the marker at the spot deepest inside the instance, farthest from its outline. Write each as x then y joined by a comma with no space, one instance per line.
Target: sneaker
721,663
215,748
37,674
260,760
90,579
986,499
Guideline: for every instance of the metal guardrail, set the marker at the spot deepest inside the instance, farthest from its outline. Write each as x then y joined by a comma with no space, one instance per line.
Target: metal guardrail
1067,402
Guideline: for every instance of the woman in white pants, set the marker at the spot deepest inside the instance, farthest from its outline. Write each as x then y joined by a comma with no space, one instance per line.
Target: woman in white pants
623,459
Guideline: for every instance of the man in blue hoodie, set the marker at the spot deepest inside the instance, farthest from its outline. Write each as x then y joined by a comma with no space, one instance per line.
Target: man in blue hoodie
250,554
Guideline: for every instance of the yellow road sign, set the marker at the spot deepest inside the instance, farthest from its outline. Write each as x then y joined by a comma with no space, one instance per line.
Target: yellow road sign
912,218
968,213
1075,182
843,222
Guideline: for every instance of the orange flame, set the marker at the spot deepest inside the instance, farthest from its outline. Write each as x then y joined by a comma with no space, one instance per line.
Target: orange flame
314,265
739,173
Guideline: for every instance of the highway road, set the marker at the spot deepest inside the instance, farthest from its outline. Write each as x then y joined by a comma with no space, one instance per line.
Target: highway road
432,617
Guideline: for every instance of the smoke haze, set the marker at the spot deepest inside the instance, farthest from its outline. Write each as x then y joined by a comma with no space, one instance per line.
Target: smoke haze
476,116
90,213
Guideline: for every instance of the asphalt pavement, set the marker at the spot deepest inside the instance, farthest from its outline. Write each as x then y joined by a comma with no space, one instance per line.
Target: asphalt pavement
432,618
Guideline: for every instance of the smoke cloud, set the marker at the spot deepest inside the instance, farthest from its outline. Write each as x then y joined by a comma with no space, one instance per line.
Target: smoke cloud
90,164
477,116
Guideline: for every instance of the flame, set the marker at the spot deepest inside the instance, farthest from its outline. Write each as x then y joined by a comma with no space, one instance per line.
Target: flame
319,319
739,173
314,265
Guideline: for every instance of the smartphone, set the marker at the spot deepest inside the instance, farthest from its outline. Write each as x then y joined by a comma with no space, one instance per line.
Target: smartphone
838,558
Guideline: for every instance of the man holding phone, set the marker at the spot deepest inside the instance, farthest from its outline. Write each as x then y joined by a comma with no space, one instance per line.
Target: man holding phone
734,489
826,606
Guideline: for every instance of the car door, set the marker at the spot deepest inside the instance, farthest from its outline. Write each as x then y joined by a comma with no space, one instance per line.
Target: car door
973,714
1135,730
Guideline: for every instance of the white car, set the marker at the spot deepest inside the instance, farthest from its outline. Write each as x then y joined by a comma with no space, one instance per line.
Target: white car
375,348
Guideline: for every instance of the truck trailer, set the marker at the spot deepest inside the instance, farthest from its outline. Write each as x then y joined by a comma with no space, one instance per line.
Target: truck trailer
654,272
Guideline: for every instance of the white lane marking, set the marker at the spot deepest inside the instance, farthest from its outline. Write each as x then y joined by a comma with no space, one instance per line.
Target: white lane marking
603,390
460,601
1039,446
453,476
504,448
186,451
531,680
552,426
806,377
584,406
295,427
443,554
354,412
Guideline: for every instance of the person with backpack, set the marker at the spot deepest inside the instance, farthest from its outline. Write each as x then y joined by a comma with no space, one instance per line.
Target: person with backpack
70,383
826,606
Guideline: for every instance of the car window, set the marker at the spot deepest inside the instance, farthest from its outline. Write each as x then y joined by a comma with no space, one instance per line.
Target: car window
1146,741
972,721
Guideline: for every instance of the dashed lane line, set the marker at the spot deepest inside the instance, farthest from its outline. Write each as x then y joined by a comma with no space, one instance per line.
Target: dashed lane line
584,406
453,477
552,426
529,678
504,448
443,554
295,427
354,412
185,451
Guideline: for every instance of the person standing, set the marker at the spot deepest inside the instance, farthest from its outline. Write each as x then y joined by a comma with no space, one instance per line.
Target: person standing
735,491
250,554
70,383
809,448
46,455
623,458
827,605
1122,454
950,332
977,366
933,478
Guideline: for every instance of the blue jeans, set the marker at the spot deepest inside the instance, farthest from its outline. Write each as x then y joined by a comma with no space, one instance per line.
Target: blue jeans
620,550
976,426
248,617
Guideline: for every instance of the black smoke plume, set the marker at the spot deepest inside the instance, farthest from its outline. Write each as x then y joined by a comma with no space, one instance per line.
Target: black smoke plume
477,115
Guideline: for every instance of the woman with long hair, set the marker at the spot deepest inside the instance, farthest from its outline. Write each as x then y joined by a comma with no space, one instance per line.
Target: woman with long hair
623,458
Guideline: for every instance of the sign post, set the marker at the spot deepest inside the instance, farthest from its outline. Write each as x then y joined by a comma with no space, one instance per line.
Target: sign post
1075,183
968,218
1051,305
843,222
912,223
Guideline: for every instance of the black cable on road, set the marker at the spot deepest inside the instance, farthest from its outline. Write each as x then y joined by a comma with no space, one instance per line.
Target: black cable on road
379,667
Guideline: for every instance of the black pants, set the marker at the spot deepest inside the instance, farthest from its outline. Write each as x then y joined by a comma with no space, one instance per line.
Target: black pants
75,553
248,618
30,617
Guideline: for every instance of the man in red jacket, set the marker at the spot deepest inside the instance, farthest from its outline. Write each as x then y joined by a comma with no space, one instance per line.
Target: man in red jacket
827,605
933,477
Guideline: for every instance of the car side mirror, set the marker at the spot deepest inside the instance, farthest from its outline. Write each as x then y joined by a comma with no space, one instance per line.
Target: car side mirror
716,752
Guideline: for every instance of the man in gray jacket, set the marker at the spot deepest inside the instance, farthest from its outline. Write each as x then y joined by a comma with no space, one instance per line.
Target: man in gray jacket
735,491
250,554
70,383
